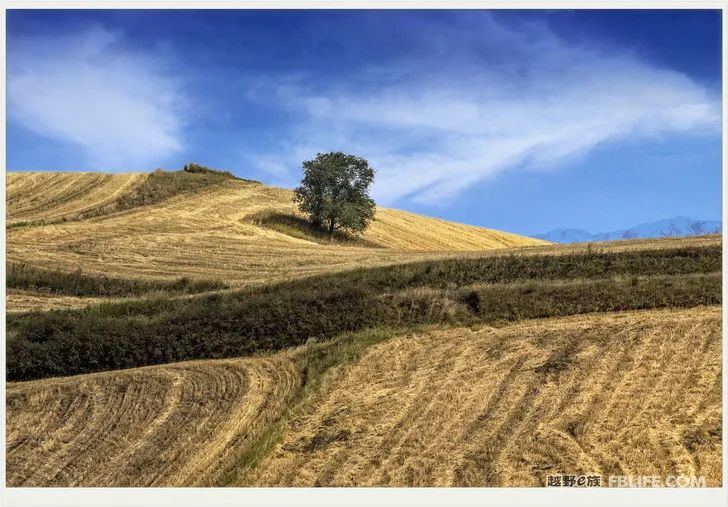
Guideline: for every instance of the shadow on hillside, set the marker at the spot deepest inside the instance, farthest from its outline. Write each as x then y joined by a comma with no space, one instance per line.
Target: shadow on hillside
298,227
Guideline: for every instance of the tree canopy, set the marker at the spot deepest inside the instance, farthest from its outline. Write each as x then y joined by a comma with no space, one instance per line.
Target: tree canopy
334,192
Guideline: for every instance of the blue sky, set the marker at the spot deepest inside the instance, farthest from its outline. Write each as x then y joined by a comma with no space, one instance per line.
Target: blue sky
524,121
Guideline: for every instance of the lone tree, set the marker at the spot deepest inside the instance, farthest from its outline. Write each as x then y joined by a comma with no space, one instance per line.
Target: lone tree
334,192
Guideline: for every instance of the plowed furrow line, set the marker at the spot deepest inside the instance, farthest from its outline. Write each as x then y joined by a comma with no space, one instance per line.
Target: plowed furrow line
179,424
636,393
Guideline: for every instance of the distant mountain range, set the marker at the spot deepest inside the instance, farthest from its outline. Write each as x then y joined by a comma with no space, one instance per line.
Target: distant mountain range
678,226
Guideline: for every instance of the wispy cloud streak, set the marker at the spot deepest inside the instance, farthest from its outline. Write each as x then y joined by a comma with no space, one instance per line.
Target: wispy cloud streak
519,97
121,107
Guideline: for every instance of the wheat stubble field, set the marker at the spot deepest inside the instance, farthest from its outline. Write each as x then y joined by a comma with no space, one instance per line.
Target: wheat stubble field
206,341
210,233
618,394
181,424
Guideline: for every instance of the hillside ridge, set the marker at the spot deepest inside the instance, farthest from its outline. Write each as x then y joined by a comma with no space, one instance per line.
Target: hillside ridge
36,196
208,232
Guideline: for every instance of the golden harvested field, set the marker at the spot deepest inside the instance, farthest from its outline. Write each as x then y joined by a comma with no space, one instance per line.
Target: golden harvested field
634,393
179,424
210,234
23,300
628,394
58,195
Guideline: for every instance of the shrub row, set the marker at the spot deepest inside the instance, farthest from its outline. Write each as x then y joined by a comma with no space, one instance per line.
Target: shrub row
193,167
126,335
528,301
76,283
452,273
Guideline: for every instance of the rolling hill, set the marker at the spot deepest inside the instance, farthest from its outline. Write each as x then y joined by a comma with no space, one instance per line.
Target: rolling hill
180,424
205,335
613,394
206,231
622,393
36,197
210,228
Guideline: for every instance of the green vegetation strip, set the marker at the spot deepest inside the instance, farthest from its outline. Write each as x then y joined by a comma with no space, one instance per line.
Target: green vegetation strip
452,273
486,290
161,185
22,276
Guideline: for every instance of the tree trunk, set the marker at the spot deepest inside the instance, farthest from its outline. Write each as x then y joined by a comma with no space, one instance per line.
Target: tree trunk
331,229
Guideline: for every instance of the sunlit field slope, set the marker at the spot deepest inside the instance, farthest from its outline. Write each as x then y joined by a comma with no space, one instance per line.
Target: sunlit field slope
234,345
32,197
182,424
624,394
23,301
220,231
616,393
215,231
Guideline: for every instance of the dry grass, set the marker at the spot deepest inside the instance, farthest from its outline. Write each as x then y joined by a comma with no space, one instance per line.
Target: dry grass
631,394
635,393
180,424
408,231
209,234
54,196
24,300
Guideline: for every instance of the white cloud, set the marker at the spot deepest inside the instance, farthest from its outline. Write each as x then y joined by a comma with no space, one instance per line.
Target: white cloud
520,98
119,106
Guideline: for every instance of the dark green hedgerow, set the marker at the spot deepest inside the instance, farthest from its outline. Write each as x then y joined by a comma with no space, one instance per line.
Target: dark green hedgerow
453,273
76,283
545,300
195,168
137,333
